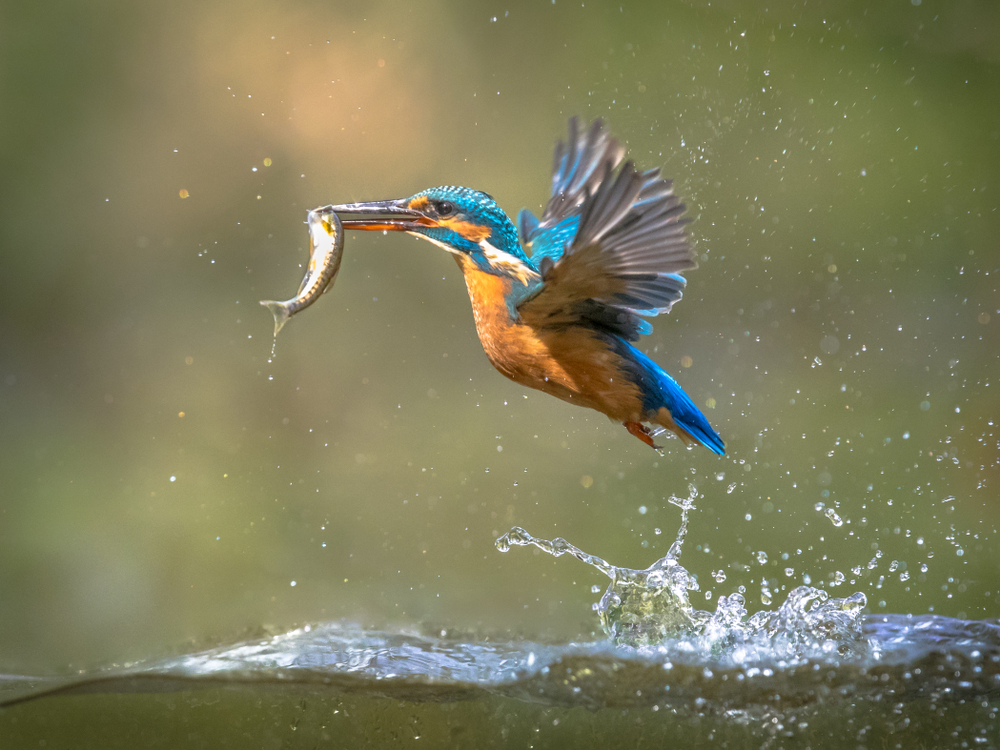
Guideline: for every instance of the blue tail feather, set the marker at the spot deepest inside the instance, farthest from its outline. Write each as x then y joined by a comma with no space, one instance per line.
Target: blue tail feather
684,412
659,389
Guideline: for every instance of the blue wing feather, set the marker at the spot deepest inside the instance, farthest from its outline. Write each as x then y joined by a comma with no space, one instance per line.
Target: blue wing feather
527,226
579,166
608,236
551,242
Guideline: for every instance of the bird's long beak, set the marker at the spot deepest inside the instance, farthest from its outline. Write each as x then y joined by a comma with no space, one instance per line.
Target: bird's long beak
391,216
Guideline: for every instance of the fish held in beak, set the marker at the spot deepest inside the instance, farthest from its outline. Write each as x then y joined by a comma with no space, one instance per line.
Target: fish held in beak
326,248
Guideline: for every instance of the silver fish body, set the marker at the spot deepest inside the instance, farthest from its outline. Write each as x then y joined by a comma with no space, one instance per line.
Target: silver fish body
326,248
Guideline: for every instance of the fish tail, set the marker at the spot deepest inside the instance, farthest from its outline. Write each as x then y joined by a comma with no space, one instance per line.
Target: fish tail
280,311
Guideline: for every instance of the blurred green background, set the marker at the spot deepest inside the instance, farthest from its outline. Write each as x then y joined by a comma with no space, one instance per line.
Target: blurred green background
161,481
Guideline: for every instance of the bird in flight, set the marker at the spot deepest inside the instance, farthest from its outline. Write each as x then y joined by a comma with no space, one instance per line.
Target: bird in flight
558,300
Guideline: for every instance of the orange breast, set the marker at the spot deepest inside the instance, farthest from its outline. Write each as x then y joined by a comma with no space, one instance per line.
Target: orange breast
572,363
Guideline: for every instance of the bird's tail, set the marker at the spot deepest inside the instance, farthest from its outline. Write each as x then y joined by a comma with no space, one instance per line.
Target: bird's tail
672,407
685,415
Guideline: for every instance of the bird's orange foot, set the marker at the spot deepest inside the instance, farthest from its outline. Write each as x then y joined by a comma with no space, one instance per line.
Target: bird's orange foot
642,432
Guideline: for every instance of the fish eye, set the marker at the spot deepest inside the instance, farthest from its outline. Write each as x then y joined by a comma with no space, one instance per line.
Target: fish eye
444,208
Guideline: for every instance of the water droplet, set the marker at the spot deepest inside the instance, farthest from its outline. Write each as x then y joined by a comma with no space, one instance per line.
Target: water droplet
834,518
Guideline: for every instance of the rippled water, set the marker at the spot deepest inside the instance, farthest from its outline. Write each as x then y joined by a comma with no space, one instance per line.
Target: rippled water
816,669
930,679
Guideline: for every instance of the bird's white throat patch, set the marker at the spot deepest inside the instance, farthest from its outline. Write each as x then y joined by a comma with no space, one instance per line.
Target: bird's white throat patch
506,262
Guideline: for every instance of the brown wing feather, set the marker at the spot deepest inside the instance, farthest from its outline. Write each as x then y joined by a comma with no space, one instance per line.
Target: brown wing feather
624,259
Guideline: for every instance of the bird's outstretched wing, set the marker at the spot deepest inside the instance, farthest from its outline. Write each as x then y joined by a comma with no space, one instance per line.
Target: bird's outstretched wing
577,170
610,244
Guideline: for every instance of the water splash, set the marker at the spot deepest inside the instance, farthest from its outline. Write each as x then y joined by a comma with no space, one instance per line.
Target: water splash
652,606
640,607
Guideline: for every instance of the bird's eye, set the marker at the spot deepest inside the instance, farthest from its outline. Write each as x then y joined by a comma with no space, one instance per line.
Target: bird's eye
445,208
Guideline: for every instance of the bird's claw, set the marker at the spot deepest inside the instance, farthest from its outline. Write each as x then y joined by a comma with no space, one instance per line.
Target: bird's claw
642,432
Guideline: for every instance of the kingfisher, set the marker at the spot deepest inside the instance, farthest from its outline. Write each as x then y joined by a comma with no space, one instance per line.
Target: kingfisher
558,300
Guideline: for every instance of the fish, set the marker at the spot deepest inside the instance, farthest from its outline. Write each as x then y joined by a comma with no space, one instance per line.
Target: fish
326,248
